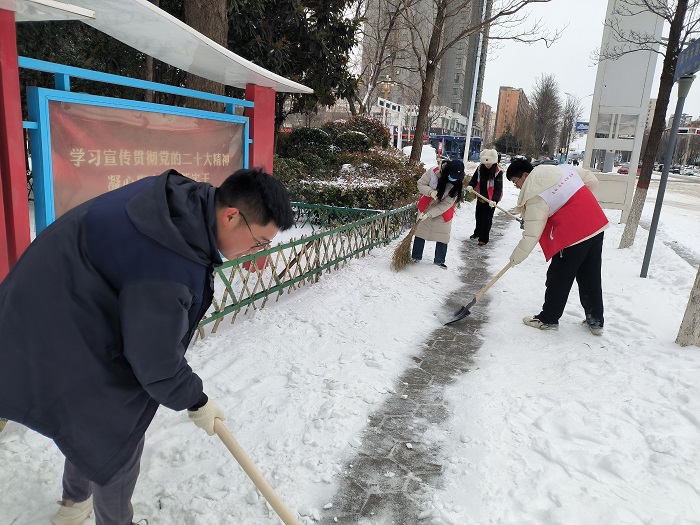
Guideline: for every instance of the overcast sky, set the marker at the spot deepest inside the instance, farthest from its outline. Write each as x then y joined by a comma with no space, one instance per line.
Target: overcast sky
569,59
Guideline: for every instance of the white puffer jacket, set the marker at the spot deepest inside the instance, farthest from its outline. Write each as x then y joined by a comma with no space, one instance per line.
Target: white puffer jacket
533,208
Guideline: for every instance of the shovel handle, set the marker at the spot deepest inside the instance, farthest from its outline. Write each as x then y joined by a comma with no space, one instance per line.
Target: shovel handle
253,473
492,281
480,196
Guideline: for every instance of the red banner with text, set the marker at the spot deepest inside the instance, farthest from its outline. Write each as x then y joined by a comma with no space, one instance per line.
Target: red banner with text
96,149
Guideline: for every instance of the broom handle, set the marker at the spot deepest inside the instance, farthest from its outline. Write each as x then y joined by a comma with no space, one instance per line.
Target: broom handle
253,473
492,281
497,206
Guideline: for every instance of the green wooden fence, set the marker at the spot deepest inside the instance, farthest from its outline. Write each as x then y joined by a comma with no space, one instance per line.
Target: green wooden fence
339,234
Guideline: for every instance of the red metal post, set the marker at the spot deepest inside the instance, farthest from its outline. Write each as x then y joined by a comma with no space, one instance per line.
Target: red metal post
262,125
14,212
262,131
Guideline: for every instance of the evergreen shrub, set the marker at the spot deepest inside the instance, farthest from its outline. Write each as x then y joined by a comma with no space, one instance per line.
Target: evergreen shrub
353,141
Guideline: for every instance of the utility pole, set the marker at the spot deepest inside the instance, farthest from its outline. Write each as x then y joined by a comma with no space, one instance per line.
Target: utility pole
475,83
684,84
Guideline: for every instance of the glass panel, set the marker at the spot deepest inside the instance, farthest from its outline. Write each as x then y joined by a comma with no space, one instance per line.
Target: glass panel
602,129
628,126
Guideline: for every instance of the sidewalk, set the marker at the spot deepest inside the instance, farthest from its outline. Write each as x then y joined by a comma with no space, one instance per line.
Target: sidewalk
400,459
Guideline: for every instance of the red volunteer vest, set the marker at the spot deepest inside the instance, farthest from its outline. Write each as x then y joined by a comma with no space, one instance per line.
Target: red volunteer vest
425,200
574,213
489,185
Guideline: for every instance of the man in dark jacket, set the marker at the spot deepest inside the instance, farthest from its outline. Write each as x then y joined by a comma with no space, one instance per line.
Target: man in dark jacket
97,314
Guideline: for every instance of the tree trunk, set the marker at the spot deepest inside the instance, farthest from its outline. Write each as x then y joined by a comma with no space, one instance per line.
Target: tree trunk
689,333
658,124
426,96
210,18
148,73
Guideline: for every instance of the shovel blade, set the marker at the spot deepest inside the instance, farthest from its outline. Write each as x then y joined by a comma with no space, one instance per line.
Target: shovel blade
461,313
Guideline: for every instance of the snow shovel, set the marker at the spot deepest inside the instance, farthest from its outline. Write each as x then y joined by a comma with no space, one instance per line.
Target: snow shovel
253,473
519,219
464,311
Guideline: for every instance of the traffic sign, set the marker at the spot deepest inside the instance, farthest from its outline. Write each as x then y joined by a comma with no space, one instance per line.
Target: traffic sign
688,60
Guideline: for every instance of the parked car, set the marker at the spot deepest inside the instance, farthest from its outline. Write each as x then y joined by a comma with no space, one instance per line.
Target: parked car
547,162
624,169
676,169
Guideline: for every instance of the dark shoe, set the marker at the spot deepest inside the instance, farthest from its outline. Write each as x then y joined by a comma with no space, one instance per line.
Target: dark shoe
442,265
594,325
482,243
535,322
475,236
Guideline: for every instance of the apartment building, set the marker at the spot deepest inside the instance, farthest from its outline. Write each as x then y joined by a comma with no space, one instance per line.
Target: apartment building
513,106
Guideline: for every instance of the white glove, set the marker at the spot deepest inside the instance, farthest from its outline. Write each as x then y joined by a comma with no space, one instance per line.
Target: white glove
422,216
492,204
470,189
433,194
204,416
517,257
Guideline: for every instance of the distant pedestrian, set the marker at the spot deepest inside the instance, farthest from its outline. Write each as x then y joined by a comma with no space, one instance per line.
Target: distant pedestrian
441,189
487,181
124,280
561,213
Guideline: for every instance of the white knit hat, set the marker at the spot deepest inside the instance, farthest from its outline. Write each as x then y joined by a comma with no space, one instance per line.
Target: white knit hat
488,156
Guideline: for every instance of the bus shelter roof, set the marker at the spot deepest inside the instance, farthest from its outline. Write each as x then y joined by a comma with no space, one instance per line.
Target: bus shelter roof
143,26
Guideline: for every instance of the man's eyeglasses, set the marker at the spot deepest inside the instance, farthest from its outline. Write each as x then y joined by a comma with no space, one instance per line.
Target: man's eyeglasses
515,180
258,244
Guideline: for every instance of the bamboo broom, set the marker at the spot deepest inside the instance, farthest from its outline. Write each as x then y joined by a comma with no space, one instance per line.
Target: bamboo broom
402,253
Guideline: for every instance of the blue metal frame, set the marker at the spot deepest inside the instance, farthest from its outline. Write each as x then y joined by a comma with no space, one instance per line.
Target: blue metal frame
39,125
62,74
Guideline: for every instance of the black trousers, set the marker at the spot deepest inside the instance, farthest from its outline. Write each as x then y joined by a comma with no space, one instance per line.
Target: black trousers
582,262
484,219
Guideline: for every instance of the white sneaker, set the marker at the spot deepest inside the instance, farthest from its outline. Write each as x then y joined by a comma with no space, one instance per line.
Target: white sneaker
72,513
536,323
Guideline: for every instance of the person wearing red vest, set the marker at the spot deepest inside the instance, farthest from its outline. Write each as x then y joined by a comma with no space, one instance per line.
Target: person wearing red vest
562,214
440,188
488,182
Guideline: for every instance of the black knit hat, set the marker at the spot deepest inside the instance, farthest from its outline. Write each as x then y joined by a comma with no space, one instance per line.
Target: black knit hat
455,170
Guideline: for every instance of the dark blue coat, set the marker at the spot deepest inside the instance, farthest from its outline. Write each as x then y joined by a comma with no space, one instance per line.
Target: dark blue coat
97,314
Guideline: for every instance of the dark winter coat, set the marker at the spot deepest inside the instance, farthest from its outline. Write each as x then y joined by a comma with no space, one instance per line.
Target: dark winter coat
96,316
489,187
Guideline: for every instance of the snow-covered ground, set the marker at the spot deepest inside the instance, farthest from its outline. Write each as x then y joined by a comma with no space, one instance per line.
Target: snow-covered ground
547,427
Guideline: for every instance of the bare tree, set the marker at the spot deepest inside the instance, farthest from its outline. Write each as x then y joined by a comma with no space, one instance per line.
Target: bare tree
680,32
688,146
571,113
427,25
546,111
382,45
210,18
